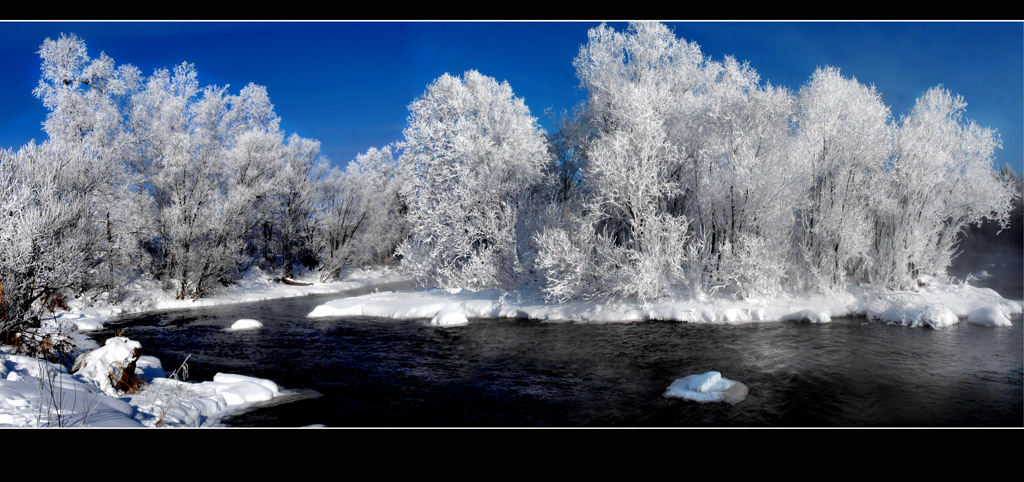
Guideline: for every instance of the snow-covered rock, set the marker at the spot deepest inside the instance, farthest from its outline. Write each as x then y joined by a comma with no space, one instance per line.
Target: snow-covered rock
149,367
708,387
810,316
917,315
245,324
104,365
991,315
449,317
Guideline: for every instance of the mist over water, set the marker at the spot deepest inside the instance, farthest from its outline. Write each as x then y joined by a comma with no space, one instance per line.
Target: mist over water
373,372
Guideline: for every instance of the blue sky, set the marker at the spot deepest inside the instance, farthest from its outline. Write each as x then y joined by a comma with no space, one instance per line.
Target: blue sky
348,84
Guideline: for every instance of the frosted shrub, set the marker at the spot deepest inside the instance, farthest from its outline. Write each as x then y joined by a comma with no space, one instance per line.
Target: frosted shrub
753,267
566,267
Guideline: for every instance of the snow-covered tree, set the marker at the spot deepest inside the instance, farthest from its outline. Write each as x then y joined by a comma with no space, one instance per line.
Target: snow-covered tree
48,246
361,221
688,168
738,178
293,229
568,146
473,152
86,98
941,179
846,136
632,80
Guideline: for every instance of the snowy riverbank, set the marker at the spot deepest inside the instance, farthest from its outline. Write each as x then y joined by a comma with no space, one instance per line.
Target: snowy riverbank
38,393
935,304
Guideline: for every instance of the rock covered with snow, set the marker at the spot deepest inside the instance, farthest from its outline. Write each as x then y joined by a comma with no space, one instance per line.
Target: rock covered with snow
449,317
917,315
708,387
809,316
990,315
245,324
105,365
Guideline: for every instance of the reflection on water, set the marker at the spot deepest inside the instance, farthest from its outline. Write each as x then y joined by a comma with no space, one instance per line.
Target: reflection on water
524,373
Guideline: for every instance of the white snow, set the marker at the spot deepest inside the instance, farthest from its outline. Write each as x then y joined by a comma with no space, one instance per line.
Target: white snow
707,387
36,393
171,402
935,305
103,365
255,285
811,316
990,315
449,317
245,324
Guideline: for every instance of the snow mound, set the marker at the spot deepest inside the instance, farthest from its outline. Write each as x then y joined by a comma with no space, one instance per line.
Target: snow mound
917,315
810,316
149,367
708,387
245,324
411,305
170,402
103,366
449,317
240,389
990,315
37,393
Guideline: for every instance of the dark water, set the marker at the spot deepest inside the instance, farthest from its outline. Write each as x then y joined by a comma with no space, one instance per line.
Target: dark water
374,372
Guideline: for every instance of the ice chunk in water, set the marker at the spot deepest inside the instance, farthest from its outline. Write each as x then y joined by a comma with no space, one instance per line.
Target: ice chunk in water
708,387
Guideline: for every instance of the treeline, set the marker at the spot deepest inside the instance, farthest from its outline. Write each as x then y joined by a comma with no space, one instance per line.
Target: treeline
158,176
679,174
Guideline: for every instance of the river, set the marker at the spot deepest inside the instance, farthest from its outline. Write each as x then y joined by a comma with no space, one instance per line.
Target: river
523,373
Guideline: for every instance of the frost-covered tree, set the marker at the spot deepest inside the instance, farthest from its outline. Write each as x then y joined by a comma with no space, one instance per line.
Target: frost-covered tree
48,247
568,146
473,152
738,178
362,218
632,80
689,171
292,231
846,136
941,179
86,98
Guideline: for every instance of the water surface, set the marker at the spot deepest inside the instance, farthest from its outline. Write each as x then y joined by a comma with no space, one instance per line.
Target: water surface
375,372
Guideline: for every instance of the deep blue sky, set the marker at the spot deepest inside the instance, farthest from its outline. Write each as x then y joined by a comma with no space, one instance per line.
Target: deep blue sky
349,84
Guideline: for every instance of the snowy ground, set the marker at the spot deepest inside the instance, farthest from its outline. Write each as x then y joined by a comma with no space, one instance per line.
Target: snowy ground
38,393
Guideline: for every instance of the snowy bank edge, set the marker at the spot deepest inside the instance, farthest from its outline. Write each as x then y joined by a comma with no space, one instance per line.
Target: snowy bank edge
936,308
